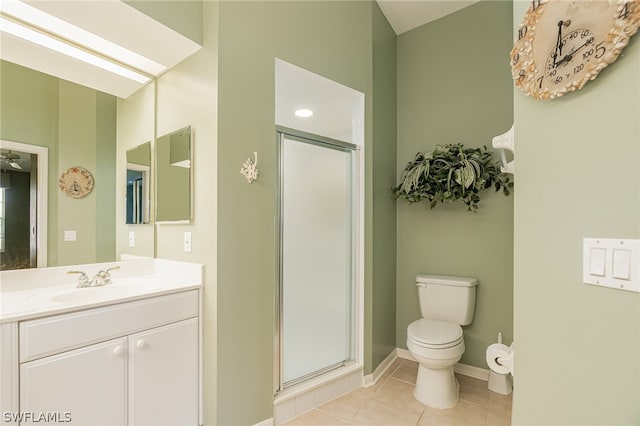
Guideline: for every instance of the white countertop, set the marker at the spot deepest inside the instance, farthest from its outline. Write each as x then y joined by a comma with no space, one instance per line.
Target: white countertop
33,293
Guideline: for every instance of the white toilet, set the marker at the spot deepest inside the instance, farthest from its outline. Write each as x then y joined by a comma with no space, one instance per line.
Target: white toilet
435,341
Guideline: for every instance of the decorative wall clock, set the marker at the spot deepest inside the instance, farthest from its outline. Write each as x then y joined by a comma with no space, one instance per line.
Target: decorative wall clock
76,182
563,44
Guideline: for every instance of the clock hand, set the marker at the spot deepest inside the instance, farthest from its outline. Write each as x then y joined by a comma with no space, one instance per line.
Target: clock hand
568,57
558,49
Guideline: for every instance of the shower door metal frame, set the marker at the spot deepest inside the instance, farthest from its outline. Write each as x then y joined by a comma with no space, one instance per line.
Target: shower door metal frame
313,139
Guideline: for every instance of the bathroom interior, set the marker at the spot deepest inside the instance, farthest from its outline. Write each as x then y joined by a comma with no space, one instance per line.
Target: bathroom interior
237,69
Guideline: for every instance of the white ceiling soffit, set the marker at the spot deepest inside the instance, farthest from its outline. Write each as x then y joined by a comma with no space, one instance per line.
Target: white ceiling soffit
406,15
112,20
332,103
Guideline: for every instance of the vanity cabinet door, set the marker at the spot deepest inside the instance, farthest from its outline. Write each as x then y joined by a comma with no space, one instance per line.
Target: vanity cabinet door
86,385
163,374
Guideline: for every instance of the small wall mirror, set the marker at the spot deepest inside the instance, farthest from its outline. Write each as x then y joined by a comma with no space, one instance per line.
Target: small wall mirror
138,169
173,181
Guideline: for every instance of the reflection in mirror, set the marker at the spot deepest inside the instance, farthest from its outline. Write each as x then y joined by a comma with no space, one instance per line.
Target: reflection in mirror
138,170
22,192
173,180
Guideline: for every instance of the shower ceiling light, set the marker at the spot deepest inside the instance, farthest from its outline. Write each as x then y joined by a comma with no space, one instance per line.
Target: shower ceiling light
303,113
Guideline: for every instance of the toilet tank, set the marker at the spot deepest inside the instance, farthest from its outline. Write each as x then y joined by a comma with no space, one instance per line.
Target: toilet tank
447,298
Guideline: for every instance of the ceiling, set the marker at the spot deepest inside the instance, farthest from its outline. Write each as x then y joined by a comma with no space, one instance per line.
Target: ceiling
110,20
160,43
404,15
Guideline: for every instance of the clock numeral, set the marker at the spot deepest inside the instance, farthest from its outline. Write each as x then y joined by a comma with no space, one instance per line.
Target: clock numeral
624,13
539,80
600,50
578,68
535,4
522,76
522,32
516,58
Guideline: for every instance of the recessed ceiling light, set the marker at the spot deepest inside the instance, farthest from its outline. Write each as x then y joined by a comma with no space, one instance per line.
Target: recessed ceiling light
304,113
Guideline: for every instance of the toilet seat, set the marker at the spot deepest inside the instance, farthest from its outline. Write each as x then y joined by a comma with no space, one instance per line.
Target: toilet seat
434,334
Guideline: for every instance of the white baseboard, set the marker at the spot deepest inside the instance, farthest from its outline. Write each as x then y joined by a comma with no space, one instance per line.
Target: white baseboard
471,371
404,354
464,369
372,379
267,422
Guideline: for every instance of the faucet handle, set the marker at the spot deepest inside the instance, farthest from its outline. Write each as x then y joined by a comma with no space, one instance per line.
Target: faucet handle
83,279
107,275
112,268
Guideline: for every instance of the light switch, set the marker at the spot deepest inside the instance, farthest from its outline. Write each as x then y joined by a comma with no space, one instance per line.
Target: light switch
187,242
69,235
132,239
611,262
597,261
621,264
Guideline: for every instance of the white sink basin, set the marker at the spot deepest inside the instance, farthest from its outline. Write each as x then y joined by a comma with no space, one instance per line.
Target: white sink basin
107,292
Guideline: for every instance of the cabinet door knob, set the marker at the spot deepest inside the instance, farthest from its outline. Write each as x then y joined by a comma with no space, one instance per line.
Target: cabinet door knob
141,344
118,350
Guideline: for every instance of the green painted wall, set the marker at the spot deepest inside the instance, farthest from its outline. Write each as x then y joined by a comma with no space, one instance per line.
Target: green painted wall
76,125
383,294
454,85
332,39
183,16
105,174
578,169
135,125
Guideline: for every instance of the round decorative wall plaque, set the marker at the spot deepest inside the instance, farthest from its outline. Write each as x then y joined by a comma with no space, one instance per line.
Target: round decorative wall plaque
76,182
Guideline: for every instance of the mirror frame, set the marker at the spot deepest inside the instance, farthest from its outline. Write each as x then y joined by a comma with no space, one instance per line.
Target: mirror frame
42,183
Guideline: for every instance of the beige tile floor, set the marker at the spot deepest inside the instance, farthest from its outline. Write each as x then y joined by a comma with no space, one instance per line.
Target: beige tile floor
390,402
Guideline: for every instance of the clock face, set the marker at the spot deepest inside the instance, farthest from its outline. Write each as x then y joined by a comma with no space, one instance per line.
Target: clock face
76,182
563,44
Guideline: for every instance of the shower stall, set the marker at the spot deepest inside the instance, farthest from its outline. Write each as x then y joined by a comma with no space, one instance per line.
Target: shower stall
316,297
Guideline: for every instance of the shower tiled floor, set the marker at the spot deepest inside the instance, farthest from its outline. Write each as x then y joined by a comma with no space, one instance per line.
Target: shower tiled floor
390,402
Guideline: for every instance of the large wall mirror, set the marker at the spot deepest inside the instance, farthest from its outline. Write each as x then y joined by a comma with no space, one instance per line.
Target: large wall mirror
138,178
173,176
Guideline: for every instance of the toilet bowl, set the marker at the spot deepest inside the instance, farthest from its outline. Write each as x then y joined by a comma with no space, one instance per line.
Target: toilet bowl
436,340
437,346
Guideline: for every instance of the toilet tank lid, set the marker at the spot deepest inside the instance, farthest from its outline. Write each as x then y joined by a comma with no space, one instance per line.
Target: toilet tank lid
446,280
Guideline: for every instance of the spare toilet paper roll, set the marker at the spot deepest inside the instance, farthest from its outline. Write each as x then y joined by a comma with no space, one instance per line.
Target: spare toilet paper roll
500,358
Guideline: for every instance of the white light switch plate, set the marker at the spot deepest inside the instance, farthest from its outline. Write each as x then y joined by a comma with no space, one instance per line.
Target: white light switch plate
611,262
69,235
132,239
187,242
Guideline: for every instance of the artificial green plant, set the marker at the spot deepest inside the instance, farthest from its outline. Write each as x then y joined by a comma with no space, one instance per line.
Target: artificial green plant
451,172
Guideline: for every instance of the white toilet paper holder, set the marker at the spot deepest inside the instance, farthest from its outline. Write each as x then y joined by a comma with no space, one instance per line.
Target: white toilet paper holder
500,380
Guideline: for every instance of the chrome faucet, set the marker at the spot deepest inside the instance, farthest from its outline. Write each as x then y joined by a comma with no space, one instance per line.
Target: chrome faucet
103,277
83,279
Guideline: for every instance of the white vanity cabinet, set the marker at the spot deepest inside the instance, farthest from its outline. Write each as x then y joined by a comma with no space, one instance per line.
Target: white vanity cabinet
88,384
133,363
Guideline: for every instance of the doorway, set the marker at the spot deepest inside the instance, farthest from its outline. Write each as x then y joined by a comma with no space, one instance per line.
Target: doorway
317,256
23,205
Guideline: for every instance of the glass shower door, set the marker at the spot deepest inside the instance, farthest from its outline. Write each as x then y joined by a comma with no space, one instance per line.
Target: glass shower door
316,265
